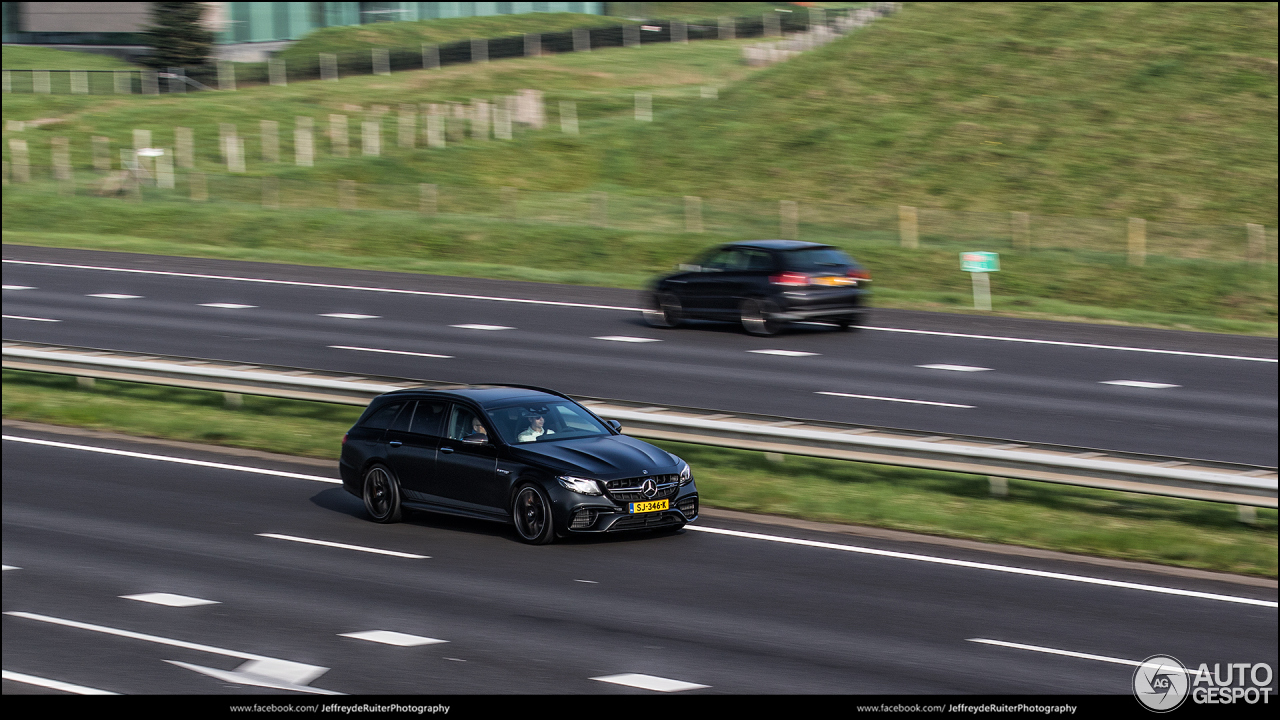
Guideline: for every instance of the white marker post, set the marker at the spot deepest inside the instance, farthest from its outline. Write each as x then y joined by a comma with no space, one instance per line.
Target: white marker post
979,264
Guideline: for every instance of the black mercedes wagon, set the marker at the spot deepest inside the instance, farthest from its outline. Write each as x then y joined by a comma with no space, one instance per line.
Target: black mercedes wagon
765,285
514,454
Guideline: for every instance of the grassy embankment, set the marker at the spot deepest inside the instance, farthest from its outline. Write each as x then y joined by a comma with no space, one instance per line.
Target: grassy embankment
1057,110
35,58
1080,520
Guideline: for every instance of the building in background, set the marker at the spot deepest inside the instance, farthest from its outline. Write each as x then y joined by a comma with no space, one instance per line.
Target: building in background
246,31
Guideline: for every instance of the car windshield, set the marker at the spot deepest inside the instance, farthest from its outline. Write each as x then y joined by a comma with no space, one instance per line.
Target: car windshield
817,260
544,422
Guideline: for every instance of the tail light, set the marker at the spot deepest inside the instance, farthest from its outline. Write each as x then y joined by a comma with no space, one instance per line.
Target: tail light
859,273
344,438
790,279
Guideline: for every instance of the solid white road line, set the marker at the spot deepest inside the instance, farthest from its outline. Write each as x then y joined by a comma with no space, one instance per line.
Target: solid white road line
1067,653
390,352
624,338
889,399
987,566
784,353
1139,384
170,600
1093,346
33,319
463,296
165,458
389,637
18,287
344,546
473,326
649,682
331,286
349,316
954,368
115,296
54,684
228,306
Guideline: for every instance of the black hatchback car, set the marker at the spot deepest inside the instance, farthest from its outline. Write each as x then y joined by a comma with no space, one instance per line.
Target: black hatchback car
764,284
514,454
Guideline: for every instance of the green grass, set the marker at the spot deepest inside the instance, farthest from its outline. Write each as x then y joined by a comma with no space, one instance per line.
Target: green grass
36,58
1080,520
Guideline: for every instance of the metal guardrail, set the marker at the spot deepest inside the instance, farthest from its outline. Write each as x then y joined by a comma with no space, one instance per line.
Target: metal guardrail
1148,474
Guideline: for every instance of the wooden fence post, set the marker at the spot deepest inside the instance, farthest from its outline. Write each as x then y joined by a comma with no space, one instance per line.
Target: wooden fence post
1137,242
1020,223
908,227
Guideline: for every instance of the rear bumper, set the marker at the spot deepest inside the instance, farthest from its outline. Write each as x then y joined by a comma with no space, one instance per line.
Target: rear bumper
818,313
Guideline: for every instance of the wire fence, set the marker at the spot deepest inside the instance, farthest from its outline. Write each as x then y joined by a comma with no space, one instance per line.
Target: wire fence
289,67
151,181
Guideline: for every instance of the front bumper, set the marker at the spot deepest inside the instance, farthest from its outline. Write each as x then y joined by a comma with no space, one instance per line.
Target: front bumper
604,518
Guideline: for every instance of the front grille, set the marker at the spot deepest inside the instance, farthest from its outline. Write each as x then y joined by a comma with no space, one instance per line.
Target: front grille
583,519
628,489
646,520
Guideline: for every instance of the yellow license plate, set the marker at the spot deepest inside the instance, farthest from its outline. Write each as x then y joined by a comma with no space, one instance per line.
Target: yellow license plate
647,506
834,281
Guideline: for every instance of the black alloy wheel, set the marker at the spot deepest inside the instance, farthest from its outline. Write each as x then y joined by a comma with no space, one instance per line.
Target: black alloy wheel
382,495
757,318
531,512
847,323
663,310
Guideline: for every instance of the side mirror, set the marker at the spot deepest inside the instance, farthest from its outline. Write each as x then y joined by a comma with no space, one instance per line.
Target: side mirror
617,426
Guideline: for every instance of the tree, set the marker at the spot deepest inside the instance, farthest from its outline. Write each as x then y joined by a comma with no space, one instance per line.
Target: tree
176,36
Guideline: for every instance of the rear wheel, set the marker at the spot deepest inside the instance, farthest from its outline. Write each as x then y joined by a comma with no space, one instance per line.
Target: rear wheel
531,512
757,317
382,495
847,323
663,310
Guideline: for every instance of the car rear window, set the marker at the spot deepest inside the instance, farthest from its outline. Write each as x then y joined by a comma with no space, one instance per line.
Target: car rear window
817,259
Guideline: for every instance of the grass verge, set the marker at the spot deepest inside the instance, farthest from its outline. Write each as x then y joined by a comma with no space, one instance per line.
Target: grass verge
1080,520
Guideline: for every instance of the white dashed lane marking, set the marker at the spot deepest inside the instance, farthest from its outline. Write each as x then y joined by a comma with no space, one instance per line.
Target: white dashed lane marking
349,316
953,368
10,567
18,287
390,352
624,338
344,546
115,296
472,326
649,682
390,637
1140,384
784,353
170,600
32,319
889,399
228,306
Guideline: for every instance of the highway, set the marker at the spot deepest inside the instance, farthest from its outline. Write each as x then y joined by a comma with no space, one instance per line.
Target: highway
1160,392
143,569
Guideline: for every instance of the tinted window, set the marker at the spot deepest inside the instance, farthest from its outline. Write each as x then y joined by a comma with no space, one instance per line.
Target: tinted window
561,420
721,259
758,261
817,259
381,418
464,423
428,419
402,420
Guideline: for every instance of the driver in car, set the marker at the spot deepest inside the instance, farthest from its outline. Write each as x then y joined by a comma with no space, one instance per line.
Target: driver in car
535,429
477,430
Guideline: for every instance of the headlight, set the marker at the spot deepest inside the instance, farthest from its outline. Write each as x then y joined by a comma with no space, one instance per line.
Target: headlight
686,475
582,486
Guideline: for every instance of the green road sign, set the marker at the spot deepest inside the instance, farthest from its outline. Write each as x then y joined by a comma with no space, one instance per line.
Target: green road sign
980,262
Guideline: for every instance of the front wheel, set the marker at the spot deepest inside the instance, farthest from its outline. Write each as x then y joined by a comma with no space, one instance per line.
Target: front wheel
757,317
531,512
663,310
382,495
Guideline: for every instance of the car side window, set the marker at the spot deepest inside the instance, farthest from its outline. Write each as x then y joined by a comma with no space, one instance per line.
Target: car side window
382,417
719,260
428,419
464,423
402,420
759,261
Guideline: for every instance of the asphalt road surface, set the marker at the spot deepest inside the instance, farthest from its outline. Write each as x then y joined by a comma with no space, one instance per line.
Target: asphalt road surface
143,575
1161,392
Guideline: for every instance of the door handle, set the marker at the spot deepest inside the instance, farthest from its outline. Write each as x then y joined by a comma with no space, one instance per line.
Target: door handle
446,449
395,443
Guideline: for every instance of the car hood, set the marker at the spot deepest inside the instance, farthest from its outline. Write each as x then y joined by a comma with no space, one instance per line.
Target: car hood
606,458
